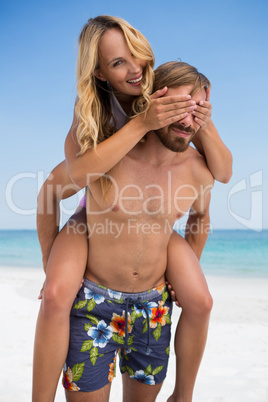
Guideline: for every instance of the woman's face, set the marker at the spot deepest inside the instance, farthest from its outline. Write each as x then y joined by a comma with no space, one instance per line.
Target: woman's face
117,65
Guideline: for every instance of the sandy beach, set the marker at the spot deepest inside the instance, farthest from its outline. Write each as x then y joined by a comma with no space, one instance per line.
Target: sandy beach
234,367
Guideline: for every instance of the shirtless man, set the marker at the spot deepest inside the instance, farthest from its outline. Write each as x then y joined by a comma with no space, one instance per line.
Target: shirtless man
130,227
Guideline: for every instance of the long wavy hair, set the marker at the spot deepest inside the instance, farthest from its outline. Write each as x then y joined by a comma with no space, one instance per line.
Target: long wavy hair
93,106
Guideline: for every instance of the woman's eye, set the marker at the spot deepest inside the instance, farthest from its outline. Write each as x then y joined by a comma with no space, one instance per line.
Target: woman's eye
117,63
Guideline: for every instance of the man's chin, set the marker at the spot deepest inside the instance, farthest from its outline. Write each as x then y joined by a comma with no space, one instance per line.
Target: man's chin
176,144
177,147
183,148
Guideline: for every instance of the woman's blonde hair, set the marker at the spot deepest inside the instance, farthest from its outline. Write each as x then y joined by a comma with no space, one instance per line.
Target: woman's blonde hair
93,107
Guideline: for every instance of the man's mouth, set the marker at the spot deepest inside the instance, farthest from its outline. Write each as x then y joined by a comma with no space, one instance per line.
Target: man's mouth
135,81
181,132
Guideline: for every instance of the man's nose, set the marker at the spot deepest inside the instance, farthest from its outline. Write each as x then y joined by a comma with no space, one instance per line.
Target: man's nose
188,120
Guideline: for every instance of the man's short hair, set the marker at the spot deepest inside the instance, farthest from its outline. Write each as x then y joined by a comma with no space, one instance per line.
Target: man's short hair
176,74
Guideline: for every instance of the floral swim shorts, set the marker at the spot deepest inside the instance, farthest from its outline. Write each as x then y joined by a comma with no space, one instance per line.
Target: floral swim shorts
99,331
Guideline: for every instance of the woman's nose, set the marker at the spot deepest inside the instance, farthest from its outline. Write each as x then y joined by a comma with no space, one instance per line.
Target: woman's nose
135,65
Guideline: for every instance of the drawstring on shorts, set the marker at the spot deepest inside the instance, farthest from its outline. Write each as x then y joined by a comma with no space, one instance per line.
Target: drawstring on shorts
144,305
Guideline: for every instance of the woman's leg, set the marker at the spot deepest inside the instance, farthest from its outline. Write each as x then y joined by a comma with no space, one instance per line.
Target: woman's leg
65,269
185,275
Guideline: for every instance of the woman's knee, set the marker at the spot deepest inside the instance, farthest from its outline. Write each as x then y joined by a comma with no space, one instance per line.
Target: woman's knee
55,299
206,303
201,304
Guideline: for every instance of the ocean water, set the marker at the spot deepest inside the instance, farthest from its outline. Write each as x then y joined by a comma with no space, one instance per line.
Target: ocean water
227,252
236,253
19,248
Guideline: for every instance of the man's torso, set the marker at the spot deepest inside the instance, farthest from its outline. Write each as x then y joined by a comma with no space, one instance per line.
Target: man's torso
130,227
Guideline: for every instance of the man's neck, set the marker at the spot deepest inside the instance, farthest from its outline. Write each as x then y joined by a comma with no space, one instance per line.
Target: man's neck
153,151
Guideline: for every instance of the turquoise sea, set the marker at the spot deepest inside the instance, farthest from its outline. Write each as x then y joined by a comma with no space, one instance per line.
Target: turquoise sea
227,252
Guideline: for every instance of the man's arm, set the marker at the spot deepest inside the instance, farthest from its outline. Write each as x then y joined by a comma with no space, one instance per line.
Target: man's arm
198,223
57,187
210,145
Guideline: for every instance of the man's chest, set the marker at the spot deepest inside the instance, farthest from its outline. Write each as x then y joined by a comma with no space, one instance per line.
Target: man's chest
148,194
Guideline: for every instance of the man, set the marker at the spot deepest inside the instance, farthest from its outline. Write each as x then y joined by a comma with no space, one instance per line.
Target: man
129,230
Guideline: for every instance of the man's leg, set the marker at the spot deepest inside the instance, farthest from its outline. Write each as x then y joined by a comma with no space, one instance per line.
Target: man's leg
135,391
187,279
145,362
102,395
66,266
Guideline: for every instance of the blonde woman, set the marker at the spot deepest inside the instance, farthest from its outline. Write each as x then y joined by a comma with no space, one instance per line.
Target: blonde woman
115,80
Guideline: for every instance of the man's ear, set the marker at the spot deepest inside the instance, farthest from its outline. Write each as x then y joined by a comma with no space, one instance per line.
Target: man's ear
208,94
99,75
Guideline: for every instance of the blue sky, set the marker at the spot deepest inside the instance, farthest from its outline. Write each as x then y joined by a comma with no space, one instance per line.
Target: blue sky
226,40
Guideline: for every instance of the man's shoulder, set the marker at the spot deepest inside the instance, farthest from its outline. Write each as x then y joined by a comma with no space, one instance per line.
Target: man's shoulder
197,163
193,153
192,156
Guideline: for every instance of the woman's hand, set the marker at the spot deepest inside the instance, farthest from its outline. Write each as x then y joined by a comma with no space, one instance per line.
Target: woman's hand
202,112
172,294
41,292
166,110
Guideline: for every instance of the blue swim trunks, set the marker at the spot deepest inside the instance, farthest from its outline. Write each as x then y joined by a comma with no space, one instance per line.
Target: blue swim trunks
99,331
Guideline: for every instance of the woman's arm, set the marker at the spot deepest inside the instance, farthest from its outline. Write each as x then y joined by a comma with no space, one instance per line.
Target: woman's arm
58,186
93,164
210,145
198,226
218,156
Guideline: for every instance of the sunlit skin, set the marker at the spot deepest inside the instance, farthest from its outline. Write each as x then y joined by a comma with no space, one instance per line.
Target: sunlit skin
118,66
178,136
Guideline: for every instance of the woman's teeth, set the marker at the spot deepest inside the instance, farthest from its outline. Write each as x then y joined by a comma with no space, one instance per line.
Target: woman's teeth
135,81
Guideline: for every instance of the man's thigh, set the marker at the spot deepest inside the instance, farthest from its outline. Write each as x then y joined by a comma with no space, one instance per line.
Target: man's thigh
101,395
135,391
